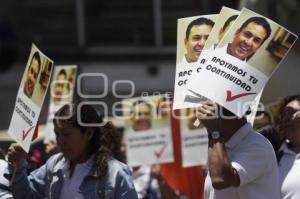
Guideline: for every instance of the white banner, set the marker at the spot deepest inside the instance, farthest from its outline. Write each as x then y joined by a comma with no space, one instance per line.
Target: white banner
30,98
192,33
194,140
149,147
148,133
61,92
236,71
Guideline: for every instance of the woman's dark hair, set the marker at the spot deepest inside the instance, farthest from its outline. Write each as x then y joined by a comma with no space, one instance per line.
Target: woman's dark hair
285,114
105,141
282,108
287,100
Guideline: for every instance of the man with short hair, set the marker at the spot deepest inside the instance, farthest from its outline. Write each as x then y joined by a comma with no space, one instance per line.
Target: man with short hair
249,37
241,162
141,115
32,74
196,35
59,86
228,23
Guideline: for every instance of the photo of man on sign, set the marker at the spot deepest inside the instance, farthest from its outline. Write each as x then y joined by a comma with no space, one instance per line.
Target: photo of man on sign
32,74
36,77
257,41
147,132
192,34
248,38
141,115
59,86
196,35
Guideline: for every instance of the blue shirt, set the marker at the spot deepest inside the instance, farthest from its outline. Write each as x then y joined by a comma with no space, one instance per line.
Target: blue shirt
47,181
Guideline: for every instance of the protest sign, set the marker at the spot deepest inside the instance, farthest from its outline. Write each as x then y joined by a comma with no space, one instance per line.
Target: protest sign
30,97
194,139
147,132
191,37
223,22
61,92
237,70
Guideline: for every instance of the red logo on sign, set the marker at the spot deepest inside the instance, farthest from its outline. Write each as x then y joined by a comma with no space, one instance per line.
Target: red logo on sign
25,134
231,97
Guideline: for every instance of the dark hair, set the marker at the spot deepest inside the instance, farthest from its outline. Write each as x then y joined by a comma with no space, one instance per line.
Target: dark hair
263,113
37,57
198,22
287,100
228,21
138,102
62,72
281,109
259,21
104,143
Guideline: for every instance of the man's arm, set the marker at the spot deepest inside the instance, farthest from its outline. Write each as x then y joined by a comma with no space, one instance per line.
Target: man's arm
222,174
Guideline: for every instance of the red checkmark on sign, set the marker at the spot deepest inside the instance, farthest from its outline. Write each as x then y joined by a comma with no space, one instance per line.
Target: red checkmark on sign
159,153
231,97
25,134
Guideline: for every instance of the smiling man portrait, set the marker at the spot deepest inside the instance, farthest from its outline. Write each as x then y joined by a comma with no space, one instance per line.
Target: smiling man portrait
248,38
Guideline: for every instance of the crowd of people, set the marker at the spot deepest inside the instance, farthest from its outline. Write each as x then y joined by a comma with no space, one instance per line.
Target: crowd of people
90,162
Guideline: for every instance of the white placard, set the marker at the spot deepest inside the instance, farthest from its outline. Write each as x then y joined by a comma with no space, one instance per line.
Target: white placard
192,34
194,139
148,134
236,71
61,93
30,98
149,147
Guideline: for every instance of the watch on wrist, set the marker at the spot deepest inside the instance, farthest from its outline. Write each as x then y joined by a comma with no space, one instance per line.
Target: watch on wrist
215,135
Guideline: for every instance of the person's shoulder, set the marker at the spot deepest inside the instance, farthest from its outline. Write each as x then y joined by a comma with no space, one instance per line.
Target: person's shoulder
54,159
258,141
118,167
120,173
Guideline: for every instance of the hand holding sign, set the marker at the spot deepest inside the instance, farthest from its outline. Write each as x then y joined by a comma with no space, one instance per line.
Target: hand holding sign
207,110
16,154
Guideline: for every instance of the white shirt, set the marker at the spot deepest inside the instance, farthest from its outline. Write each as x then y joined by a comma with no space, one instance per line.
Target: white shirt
4,193
254,159
143,182
289,173
70,188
